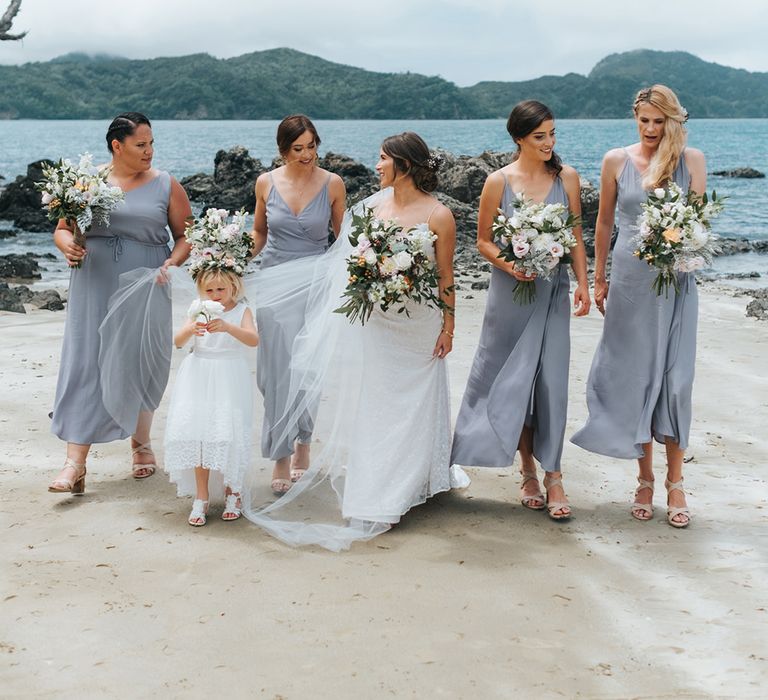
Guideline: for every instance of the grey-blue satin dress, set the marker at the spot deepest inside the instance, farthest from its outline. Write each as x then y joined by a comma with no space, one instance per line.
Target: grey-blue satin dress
137,237
289,237
641,378
520,372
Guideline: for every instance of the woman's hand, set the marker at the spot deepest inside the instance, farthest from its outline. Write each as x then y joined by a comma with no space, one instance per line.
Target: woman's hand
581,300
601,294
444,344
519,275
65,242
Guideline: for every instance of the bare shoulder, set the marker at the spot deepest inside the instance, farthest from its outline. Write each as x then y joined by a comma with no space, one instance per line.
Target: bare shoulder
495,182
442,216
694,158
569,176
335,182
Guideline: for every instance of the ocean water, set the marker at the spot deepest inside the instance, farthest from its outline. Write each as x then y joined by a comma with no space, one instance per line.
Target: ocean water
186,147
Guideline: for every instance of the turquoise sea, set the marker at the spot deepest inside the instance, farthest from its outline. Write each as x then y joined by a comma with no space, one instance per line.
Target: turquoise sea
186,147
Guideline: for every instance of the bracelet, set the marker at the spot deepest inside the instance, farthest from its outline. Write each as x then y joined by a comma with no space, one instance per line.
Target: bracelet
447,332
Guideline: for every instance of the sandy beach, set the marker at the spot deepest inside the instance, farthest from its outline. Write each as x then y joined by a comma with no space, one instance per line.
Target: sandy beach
113,595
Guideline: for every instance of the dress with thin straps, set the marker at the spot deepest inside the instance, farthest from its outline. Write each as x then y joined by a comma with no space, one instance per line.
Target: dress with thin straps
640,383
520,372
290,236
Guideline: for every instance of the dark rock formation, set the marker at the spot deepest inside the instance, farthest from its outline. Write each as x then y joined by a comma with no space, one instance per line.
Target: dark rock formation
463,177
359,180
733,246
20,201
14,298
23,266
232,183
749,173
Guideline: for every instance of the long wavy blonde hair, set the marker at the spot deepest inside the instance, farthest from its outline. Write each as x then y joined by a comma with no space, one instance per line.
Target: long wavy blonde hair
672,144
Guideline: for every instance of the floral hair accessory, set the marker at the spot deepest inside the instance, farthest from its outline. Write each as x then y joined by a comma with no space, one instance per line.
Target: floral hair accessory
434,161
219,242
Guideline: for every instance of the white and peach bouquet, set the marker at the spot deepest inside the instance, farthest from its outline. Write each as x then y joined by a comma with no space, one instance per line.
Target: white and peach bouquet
388,267
537,237
675,233
219,242
78,193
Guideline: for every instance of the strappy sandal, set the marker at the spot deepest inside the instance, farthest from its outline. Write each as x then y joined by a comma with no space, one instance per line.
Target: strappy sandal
75,485
281,486
197,516
673,512
533,501
642,511
296,474
231,507
554,506
139,470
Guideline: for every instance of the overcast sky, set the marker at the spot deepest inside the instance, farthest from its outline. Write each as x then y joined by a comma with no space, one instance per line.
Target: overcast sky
465,41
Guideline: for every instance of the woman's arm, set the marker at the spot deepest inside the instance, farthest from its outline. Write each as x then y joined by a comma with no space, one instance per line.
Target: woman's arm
572,184
246,332
259,232
64,240
179,212
443,225
604,224
697,167
490,199
338,195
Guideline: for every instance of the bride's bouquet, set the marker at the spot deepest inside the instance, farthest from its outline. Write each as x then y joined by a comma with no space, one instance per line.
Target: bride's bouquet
389,266
219,242
537,237
675,233
78,193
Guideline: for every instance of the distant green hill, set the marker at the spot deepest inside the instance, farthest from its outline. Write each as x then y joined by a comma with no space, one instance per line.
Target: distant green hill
270,84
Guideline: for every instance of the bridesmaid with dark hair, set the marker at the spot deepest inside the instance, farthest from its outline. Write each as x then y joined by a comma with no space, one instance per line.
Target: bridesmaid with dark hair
517,392
137,237
297,205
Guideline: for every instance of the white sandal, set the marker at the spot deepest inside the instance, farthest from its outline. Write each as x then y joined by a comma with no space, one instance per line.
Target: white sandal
75,485
231,507
197,516
534,501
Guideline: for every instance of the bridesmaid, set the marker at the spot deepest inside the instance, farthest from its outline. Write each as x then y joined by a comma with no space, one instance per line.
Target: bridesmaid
641,379
137,237
517,392
297,205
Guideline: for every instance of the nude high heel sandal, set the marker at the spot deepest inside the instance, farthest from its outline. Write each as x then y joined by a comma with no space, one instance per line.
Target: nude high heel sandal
672,512
75,485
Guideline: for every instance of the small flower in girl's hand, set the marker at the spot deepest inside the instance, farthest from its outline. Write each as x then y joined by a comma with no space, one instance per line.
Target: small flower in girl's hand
206,308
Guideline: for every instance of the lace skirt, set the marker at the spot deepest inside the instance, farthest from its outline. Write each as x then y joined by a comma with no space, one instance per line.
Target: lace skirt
210,422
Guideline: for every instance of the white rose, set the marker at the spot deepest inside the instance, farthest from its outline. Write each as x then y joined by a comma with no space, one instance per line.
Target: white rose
47,198
521,248
403,260
659,193
556,250
387,267
370,256
699,235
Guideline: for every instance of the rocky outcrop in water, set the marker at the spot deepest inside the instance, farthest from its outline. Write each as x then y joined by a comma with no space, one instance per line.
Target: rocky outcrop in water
748,173
21,266
20,201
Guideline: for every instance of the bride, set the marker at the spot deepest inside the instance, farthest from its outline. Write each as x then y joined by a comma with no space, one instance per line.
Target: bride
380,390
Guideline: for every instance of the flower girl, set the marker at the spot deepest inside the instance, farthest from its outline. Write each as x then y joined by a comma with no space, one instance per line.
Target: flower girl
208,431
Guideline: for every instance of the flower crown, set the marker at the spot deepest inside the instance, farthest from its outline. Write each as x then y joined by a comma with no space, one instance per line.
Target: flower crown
219,242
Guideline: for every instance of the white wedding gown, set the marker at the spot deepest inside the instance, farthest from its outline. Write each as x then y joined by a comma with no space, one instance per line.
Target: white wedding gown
382,434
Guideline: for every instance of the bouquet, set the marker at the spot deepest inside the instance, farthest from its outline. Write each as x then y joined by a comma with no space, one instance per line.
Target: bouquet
388,267
205,309
219,242
537,237
675,233
80,194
